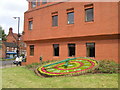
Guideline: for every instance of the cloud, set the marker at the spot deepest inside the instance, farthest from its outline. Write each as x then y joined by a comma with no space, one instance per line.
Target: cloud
10,9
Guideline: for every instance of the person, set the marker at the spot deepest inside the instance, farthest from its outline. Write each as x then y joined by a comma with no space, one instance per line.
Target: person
20,60
17,61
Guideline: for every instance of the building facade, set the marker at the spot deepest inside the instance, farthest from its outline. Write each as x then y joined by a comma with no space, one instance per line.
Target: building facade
60,30
9,47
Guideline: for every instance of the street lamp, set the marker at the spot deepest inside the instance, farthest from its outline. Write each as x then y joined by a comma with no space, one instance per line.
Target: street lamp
18,35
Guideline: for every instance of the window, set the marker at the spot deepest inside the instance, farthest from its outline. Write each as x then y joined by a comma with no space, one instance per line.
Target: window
7,48
30,25
44,1
33,4
90,49
70,16
55,20
31,50
71,49
12,49
89,14
56,49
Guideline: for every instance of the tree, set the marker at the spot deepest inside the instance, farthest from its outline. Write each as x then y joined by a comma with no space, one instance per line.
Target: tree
2,34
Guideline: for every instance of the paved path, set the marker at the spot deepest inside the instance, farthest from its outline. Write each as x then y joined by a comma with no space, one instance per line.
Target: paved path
6,64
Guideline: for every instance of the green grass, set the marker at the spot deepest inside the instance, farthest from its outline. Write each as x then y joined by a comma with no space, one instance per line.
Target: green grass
20,77
7,59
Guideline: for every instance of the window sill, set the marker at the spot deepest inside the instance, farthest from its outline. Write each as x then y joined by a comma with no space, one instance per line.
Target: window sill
54,26
30,29
70,24
31,56
56,56
89,21
71,56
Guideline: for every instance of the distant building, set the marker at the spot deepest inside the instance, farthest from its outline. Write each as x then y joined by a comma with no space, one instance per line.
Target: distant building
9,47
60,30
9,50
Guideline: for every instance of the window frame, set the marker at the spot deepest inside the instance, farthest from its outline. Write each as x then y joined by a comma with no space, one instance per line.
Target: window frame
86,16
69,18
31,53
54,51
74,50
44,2
30,25
88,46
33,4
54,23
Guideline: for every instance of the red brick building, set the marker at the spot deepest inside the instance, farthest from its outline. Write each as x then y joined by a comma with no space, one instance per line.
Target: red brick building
60,30
9,47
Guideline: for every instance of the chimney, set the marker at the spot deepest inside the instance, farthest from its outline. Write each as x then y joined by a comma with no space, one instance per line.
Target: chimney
10,30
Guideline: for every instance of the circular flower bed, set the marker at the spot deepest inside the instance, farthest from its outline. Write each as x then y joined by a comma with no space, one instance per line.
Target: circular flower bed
72,66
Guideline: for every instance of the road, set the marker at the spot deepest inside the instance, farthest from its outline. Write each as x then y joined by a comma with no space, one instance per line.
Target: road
4,64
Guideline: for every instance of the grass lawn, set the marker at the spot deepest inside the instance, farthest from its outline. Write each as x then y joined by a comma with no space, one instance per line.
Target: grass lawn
20,77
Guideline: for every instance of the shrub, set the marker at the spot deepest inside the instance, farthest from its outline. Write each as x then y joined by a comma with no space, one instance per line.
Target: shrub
24,60
106,66
32,66
23,55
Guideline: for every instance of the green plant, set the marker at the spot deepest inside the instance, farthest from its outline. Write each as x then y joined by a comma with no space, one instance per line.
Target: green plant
2,34
32,66
22,55
24,60
106,66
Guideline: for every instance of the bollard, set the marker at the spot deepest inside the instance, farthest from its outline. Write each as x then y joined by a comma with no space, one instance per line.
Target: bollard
41,59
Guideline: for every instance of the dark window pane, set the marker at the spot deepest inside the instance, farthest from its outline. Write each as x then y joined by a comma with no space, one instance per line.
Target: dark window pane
90,49
30,25
89,14
56,49
70,18
33,4
71,49
55,20
31,50
44,1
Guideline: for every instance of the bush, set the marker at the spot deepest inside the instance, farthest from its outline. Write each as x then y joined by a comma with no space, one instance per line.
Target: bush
23,55
32,66
24,60
107,67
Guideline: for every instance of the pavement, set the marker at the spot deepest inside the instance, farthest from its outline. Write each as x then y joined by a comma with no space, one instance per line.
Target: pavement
7,64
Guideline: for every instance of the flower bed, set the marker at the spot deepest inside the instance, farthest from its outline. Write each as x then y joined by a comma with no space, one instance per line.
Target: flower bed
75,66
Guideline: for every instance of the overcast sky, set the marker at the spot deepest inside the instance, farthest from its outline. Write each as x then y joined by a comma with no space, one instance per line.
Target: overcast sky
10,9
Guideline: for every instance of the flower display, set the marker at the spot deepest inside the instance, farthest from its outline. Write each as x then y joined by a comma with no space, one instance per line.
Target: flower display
73,66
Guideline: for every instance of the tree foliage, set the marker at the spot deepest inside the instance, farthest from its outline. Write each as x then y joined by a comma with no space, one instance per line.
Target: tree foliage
2,34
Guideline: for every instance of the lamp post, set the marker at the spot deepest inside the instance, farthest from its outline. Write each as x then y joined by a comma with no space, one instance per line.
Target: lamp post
18,35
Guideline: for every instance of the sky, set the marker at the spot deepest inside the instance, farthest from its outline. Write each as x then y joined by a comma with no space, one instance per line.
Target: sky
10,9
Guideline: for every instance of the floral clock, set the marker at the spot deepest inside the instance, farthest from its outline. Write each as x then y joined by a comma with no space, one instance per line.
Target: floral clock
73,66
